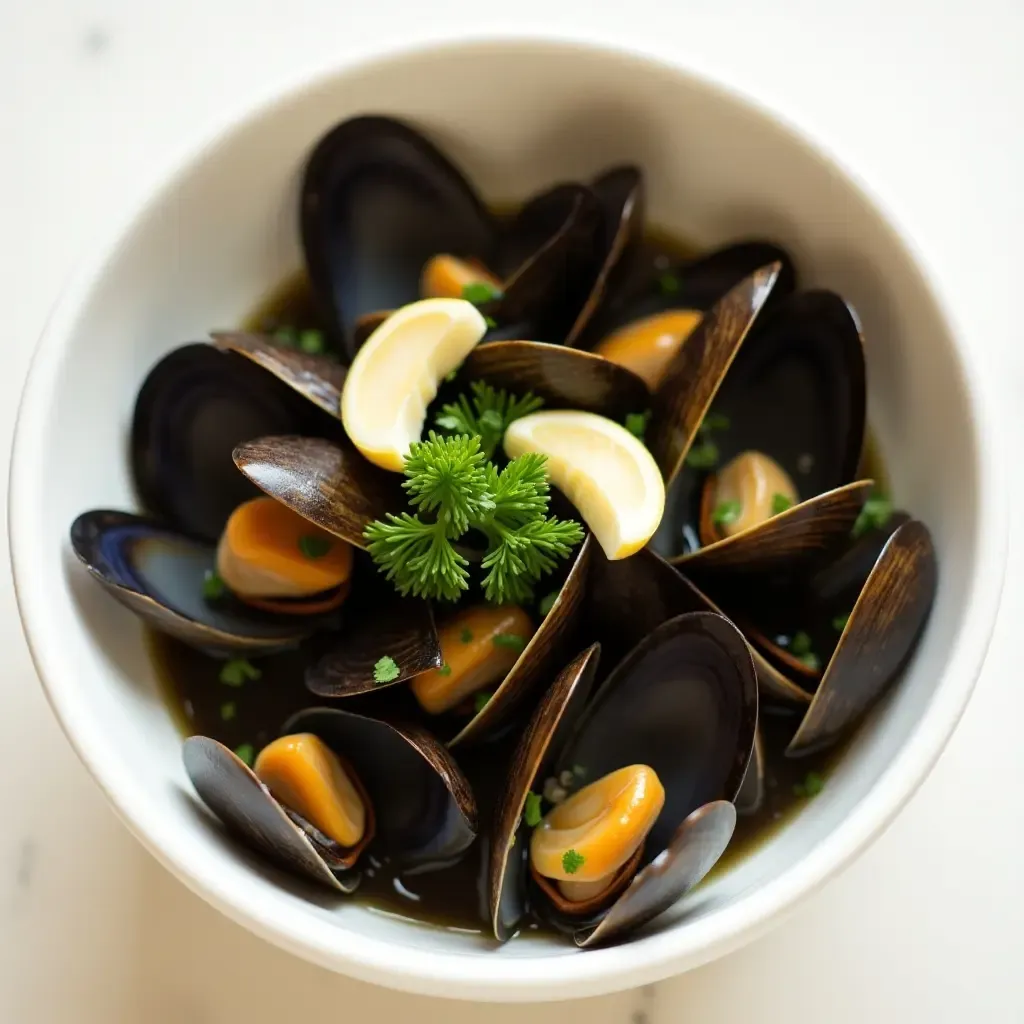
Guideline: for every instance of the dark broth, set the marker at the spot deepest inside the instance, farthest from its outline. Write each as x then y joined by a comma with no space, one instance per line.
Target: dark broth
252,714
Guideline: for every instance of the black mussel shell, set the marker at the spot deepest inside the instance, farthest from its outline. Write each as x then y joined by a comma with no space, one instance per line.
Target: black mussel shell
195,406
565,378
554,718
327,482
159,574
696,284
377,202
425,812
880,635
244,805
696,847
622,196
316,377
545,651
694,375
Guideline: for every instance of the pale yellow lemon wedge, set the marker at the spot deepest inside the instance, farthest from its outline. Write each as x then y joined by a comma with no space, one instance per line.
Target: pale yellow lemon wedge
608,474
395,375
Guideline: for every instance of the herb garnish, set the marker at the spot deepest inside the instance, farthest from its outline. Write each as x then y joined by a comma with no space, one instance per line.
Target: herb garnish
812,785
311,342
487,416
213,585
385,670
572,861
246,752
726,512
449,480
547,602
445,670
802,648
312,545
480,700
286,336
875,513
636,423
480,293
228,710
237,671
466,635
531,813
704,453
780,503
512,641
490,322
839,622
668,283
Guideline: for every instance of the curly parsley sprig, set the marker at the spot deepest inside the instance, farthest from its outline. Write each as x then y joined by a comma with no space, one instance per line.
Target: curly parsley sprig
487,415
454,489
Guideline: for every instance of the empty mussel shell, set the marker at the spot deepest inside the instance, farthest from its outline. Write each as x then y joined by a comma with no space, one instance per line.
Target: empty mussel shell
564,378
426,815
880,634
555,716
231,790
195,405
159,574
327,482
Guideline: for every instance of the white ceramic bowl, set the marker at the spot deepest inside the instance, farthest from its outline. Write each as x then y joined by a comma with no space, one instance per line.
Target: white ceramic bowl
221,228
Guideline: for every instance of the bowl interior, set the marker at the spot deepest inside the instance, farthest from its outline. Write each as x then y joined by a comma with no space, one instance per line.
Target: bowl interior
517,116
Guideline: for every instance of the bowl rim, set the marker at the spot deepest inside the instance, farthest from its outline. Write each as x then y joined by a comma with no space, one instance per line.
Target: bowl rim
462,975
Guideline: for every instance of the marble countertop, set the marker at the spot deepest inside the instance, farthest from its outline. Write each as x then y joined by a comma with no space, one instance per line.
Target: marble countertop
98,93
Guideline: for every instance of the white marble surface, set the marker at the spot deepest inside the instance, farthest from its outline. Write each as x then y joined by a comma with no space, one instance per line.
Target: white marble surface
97,93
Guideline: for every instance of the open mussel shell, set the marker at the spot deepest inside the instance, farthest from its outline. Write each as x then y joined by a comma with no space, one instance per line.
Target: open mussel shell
378,200
231,790
693,851
565,378
622,197
195,405
880,635
316,377
327,482
629,597
544,652
158,574
695,373
555,716
787,540
425,812
684,702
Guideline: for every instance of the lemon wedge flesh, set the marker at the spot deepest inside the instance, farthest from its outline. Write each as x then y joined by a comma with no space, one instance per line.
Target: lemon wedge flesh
607,473
395,375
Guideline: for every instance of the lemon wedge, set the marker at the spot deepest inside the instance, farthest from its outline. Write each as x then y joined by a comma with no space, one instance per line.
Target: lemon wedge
608,474
396,373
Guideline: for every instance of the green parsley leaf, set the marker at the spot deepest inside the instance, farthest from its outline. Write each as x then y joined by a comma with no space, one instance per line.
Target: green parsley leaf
480,293
466,635
715,421
510,640
311,342
286,336
668,283
811,661
703,455
246,752
486,415
451,375
579,771
228,710
491,322
572,861
780,503
213,585
726,512
480,700
800,644
839,622
636,423
238,671
812,785
385,670
531,813
445,670
547,602
875,513
312,545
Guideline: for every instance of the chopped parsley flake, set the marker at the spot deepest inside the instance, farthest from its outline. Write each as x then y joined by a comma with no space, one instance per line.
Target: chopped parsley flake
636,423
213,585
512,641
800,644
668,283
572,861
312,545
466,635
531,813
547,602
715,421
874,515
246,752
491,322
228,710
780,503
311,342
238,671
480,293
839,622
480,700
286,336
812,785
445,670
726,512
386,670
703,455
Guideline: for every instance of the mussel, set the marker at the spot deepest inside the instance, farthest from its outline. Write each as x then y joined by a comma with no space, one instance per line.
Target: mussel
649,768
336,784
